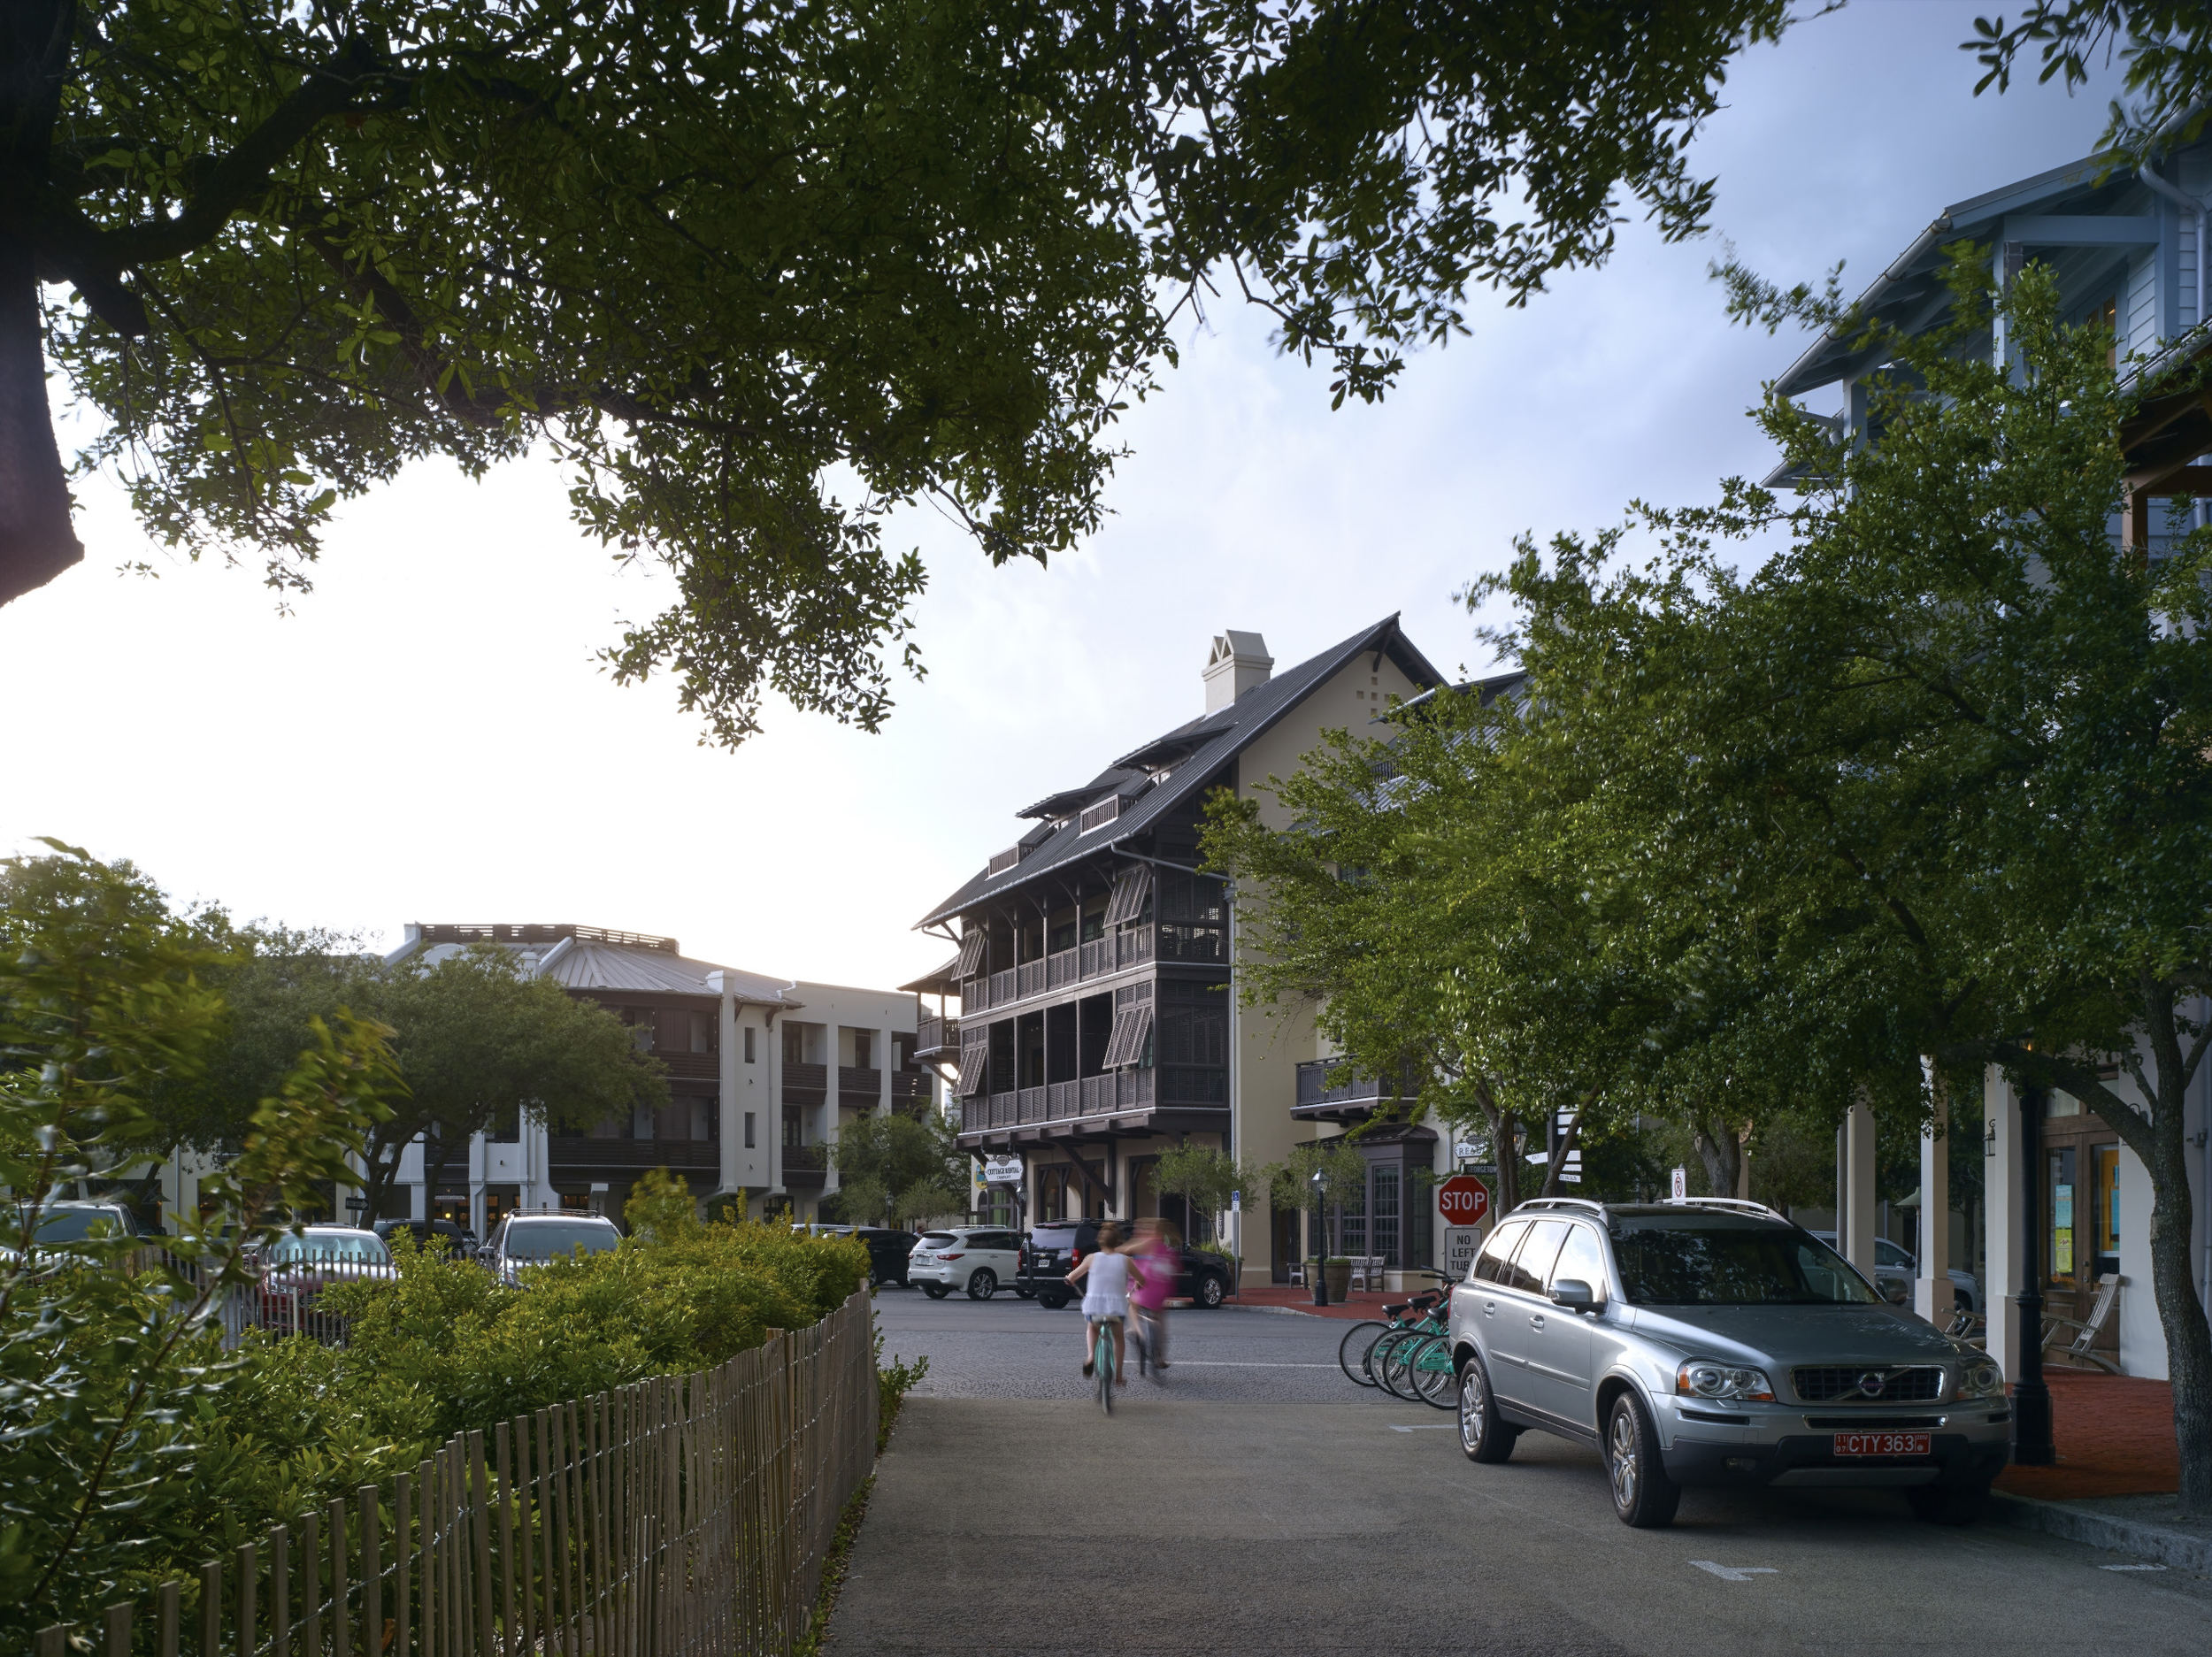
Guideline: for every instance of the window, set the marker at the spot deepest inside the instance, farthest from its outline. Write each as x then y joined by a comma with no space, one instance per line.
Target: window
1583,1259
864,1049
1132,886
1888,1254
1701,1260
748,1122
1497,1249
702,1033
1530,1264
2064,1227
1383,1214
2105,1168
748,1044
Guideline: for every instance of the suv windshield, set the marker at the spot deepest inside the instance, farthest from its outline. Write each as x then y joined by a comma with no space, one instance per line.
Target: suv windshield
938,1239
352,1248
544,1239
1706,1260
73,1225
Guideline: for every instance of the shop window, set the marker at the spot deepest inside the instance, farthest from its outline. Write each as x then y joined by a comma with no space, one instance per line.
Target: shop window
2105,1160
2063,1222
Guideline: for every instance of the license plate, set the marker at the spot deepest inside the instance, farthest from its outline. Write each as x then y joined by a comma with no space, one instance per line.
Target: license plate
1882,1444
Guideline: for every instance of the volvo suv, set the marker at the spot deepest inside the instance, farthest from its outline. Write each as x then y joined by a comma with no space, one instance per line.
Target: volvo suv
1712,1342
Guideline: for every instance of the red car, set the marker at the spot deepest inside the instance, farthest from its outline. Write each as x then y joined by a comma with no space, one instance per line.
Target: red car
297,1267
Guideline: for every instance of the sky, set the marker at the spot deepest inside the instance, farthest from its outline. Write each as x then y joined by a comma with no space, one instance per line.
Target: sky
427,735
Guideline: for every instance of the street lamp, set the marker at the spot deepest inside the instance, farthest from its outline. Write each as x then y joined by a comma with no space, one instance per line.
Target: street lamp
1321,1241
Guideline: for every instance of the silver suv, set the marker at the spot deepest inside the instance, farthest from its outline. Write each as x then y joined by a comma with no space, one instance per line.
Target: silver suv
524,1240
1712,1342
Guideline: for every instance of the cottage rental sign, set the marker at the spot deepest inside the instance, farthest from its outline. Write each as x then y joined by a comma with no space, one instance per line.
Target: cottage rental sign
1001,1171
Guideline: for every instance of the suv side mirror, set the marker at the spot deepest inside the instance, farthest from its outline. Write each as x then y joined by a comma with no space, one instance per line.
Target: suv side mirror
1574,1294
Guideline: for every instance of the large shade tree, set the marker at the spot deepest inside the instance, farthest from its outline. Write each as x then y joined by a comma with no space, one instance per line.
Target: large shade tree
758,272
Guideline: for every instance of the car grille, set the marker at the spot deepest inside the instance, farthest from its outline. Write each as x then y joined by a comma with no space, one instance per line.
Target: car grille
1872,1383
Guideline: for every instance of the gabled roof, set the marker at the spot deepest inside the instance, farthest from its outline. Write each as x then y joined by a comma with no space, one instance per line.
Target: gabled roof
590,958
1910,294
1193,756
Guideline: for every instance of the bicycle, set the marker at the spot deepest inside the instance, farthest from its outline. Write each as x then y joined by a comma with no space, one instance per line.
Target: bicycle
1102,1362
1374,1333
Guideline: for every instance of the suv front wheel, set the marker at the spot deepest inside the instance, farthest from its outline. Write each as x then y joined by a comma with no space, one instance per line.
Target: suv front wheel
1211,1292
1483,1436
1643,1495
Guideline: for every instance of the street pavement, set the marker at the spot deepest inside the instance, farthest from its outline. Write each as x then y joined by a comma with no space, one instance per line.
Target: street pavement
1259,1503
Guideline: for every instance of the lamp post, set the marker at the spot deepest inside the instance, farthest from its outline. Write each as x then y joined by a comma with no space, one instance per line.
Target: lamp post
1321,1240
2032,1444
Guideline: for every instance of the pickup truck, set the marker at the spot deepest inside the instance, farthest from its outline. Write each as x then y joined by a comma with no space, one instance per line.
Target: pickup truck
1053,1247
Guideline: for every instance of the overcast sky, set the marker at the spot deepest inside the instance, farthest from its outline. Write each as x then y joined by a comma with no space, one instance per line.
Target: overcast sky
427,737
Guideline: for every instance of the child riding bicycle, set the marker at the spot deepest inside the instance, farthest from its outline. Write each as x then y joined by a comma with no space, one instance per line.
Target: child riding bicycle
1106,1294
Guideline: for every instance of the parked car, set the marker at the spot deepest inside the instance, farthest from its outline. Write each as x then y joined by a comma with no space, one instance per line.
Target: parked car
1896,1268
1712,1342
296,1267
887,1254
1054,1247
71,1220
457,1240
976,1258
523,1240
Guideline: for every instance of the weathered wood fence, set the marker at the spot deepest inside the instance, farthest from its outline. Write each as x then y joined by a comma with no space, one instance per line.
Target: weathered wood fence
689,1513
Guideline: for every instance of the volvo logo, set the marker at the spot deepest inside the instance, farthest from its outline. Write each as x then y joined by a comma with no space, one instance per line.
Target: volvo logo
1872,1381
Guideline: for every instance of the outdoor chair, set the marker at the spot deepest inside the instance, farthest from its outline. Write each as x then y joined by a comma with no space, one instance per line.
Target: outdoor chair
1367,1270
2087,1330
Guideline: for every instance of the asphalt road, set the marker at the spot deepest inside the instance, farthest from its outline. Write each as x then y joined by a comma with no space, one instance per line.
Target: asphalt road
1254,1505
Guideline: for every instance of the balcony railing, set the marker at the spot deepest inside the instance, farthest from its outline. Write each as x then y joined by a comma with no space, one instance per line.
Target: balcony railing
811,1078
1131,946
804,1158
856,1085
937,1038
1319,1090
579,1152
1095,1096
693,1067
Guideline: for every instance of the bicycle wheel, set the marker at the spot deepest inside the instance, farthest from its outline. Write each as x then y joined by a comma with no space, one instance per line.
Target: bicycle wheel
1432,1377
1391,1353
1364,1336
1103,1363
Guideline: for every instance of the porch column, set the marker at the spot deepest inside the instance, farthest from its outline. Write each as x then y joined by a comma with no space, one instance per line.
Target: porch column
1854,1189
2000,1199
832,1115
885,1053
730,1172
1931,1293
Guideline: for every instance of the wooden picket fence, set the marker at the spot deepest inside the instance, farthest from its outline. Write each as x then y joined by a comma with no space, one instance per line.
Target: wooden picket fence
689,1513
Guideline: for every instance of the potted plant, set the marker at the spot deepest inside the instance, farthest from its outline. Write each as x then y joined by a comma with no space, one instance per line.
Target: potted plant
1339,1270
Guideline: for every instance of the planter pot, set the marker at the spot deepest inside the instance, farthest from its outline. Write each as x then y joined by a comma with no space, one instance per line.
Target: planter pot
1340,1279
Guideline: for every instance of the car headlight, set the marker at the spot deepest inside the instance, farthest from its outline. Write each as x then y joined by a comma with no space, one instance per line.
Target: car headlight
1703,1377
1981,1379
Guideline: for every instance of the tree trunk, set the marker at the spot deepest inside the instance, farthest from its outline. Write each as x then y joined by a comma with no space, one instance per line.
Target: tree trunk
2181,1316
1722,1153
36,540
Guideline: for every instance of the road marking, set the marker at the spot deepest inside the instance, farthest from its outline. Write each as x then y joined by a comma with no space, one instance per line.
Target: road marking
1226,1363
1734,1573
2130,1567
1434,1426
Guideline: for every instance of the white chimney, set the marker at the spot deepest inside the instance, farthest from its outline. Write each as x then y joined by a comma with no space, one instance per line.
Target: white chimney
1237,661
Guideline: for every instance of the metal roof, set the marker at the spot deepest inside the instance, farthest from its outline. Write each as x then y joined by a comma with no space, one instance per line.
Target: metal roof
585,958
1194,754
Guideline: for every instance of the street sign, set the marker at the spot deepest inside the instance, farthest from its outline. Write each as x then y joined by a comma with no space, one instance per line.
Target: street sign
1462,1199
1681,1183
1461,1244
355,1203
1469,1150
1001,1171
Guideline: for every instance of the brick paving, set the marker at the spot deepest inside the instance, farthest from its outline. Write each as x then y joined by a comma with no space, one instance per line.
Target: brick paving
1290,1297
2114,1436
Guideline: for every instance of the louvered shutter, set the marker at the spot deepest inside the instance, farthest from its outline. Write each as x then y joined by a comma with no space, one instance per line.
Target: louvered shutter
972,1061
971,953
1132,886
1126,1046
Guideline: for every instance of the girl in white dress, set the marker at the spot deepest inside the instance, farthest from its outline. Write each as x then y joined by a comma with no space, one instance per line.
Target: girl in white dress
1106,1276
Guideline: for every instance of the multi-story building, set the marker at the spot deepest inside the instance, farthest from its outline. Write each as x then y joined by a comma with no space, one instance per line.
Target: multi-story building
762,1074
2125,241
1097,1024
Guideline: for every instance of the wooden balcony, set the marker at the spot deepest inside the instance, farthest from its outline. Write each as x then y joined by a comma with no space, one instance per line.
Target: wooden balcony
1102,957
1341,1096
804,1079
806,1167
858,1088
937,1038
578,1154
691,1067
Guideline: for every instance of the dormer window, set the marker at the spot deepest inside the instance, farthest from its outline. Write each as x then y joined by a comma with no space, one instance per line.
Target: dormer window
1100,815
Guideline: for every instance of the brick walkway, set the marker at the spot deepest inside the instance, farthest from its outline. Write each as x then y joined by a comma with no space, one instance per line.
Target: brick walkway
2115,1435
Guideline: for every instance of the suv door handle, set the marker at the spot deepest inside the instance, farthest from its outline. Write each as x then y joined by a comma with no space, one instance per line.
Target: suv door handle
1536,1320
1489,1308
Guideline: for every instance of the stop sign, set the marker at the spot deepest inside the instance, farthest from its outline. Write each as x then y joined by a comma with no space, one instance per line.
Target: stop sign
1463,1199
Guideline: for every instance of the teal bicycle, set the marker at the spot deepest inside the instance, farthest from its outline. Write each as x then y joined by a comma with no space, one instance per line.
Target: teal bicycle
1102,1362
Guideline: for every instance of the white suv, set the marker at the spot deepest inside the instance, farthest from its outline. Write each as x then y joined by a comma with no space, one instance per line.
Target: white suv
524,1240
976,1258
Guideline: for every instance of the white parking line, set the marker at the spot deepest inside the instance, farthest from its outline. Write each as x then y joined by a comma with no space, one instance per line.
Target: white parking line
1228,1364
1437,1426
1734,1573
2130,1567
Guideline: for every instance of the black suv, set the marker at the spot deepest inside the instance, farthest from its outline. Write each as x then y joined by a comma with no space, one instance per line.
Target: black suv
887,1250
456,1238
1053,1248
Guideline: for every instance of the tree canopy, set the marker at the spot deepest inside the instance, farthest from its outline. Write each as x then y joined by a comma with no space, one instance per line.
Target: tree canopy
758,273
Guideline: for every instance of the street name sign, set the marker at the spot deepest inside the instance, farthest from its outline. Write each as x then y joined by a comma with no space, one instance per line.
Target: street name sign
1462,1199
